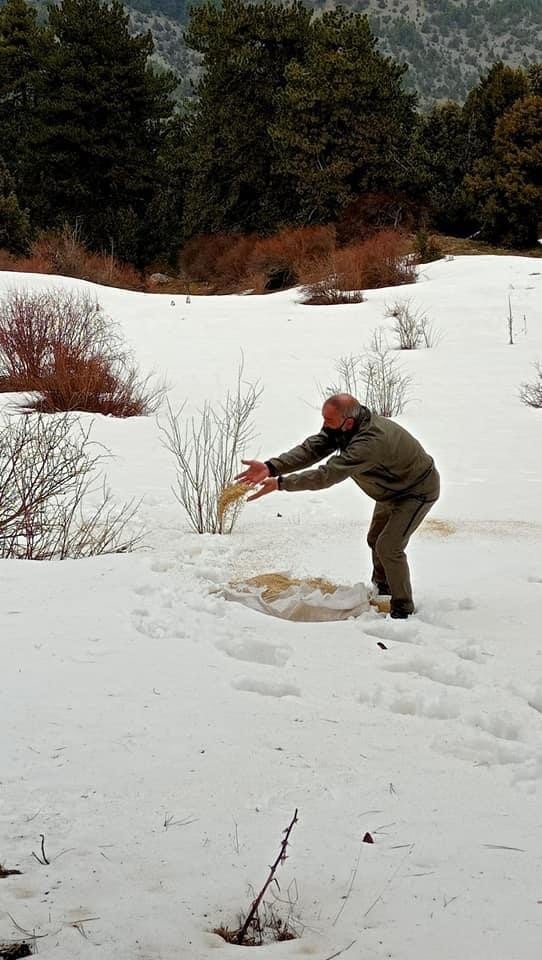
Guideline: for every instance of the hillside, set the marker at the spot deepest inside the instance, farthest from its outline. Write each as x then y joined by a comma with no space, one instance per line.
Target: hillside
158,737
446,43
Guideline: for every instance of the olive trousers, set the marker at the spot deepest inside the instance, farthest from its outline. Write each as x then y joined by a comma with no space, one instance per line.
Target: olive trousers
392,525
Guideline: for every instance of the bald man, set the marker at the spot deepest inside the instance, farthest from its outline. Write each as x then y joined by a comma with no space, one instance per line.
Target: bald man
385,461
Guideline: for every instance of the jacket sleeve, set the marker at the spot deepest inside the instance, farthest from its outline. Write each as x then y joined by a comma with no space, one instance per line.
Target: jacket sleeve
311,451
357,459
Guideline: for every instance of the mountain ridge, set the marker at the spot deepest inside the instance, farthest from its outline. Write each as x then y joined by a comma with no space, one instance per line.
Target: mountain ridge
446,44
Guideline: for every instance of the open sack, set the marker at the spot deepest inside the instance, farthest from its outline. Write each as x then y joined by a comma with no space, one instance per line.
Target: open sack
311,599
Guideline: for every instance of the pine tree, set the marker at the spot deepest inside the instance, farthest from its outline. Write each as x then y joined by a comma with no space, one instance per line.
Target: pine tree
506,188
442,156
488,101
230,155
103,111
14,222
23,47
344,121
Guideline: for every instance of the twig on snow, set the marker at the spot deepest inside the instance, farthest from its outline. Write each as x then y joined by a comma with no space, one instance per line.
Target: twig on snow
256,902
43,859
344,949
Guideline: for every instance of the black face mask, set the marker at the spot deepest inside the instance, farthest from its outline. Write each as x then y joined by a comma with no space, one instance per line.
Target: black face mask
340,438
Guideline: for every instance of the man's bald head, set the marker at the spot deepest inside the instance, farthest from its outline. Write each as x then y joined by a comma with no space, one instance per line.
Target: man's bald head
343,403
339,408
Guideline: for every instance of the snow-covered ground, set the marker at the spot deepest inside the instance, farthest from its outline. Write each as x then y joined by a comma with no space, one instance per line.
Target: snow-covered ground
160,738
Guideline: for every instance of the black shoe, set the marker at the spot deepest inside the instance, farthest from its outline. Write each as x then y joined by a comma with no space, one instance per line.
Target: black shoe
401,609
382,588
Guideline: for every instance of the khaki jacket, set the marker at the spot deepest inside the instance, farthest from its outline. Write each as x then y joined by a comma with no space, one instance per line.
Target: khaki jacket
384,459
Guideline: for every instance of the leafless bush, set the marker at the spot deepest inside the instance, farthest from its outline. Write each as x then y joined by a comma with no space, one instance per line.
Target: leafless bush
327,292
531,393
62,347
386,386
412,326
374,377
207,450
54,502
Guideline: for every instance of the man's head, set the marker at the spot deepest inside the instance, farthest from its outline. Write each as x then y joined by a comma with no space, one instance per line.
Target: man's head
340,412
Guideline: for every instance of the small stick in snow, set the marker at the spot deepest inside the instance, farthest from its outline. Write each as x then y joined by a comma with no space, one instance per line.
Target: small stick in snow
344,949
256,902
43,859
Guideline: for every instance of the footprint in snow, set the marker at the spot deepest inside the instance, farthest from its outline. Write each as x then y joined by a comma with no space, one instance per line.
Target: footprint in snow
457,676
267,688
399,630
254,651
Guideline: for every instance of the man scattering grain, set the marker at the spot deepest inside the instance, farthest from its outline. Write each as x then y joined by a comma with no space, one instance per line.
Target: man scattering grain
385,461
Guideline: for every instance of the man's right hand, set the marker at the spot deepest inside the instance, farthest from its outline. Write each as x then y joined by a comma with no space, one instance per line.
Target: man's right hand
257,472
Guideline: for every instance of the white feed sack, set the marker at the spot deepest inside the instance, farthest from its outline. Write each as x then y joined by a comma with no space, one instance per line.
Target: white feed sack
301,600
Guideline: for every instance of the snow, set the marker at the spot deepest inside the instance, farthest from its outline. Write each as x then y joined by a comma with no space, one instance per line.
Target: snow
160,737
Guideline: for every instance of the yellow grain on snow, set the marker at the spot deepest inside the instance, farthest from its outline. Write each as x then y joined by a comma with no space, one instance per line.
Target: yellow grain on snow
276,584
230,495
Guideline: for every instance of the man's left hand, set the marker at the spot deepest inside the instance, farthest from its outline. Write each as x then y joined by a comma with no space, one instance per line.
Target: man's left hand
266,486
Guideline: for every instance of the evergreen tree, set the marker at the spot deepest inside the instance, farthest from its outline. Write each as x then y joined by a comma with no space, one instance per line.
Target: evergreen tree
103,110
23,47
246,48
488,101
14,223
344,121
442,157
506,188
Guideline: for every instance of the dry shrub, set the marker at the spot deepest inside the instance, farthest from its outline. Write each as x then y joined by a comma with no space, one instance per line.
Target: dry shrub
199,256
62,347
240,262
371,213
54,501
385,261
292,256
62,252
327,293
380,261
66,255
231,267
207,449
531,393
7,259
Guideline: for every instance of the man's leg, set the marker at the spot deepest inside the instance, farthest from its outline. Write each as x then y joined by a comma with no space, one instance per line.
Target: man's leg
404,518
381,515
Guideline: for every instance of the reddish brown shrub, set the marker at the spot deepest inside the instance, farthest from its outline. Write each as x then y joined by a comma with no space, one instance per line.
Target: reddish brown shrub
385,260
199,255
292,256
62,252
231,268
63,348
380,261
247,262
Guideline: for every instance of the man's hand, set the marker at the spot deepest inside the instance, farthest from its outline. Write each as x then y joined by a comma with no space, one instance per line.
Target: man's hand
257,472
266,486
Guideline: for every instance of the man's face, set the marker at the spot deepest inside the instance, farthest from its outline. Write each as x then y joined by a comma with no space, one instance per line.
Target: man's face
334,419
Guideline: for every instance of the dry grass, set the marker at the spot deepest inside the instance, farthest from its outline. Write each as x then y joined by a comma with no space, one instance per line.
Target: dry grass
276,584
229,496
463,246
280,933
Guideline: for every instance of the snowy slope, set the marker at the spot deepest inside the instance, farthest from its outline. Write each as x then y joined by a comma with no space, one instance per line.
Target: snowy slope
132,696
